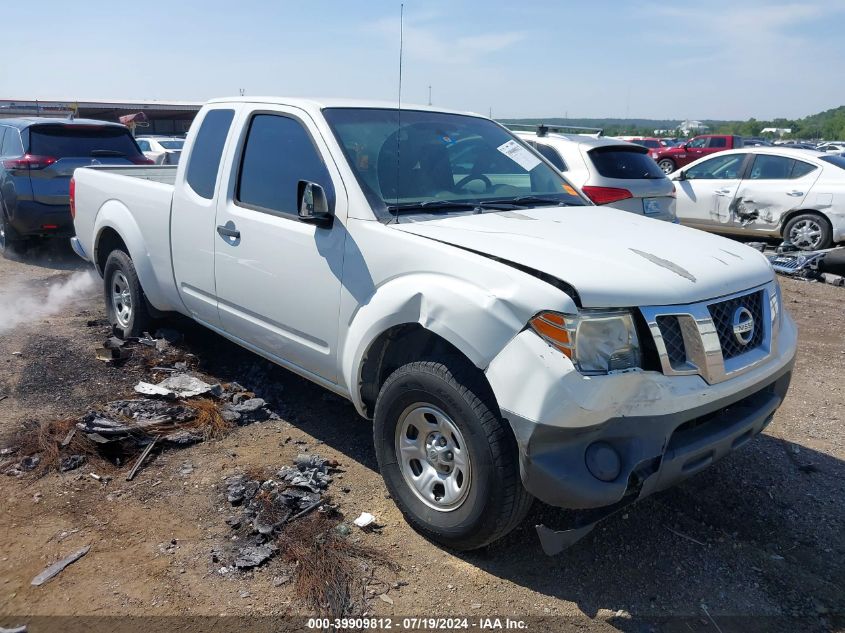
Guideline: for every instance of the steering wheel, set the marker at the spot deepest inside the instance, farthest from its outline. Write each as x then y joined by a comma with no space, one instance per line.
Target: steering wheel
463,181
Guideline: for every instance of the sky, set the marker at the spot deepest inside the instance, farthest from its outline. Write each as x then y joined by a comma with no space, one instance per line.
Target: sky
530,58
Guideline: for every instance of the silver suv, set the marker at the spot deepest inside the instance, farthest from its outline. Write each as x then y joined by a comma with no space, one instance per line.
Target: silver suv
608,171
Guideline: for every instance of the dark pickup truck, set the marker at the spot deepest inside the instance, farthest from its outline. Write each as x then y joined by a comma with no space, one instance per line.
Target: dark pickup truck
37,159
671,158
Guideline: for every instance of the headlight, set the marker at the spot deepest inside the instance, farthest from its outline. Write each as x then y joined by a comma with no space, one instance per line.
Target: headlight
597,342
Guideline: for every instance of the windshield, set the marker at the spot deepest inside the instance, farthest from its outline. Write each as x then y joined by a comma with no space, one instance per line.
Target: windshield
442,161
172,144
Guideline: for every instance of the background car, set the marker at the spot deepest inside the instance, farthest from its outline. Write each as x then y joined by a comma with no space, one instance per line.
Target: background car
162,150
671,158
795,194
37,159
649,142
608,171
836,147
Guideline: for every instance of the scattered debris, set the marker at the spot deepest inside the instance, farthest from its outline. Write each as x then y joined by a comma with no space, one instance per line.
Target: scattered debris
689,538
56,568
252,556
113,349
826,265
15,629
71,462
3,398
385,598
365,520
179,386
833,280
141,459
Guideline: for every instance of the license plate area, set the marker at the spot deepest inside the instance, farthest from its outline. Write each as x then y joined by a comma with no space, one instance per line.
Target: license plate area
651,206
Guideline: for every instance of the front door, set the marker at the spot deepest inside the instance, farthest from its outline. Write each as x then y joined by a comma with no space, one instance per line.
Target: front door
279,278
705,194
774,186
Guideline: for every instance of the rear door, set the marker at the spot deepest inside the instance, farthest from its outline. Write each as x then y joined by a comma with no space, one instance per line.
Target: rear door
707,190
72,146
192,217
279,278
773,186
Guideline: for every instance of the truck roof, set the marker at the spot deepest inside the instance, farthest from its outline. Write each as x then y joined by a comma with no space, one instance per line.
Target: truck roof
321,103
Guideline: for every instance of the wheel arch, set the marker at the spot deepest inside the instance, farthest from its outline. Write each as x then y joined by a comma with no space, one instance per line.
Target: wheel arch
398,345
795,212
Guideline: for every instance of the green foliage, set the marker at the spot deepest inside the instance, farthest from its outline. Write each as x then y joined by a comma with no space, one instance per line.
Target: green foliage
827,125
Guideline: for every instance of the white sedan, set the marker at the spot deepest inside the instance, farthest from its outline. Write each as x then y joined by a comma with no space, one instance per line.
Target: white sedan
164,150
798,195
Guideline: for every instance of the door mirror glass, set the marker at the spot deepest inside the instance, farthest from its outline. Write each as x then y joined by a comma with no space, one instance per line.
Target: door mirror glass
313,203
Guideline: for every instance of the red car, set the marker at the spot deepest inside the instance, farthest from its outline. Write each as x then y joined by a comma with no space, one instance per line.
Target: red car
671,158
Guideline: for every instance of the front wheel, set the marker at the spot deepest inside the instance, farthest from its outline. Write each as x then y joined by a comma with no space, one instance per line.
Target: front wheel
448,459
667,165
126,304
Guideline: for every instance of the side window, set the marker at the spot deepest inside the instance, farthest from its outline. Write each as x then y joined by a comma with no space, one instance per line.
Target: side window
718,141
204,160
767,167
698,142
12,145
551,155
723,167
278,154
801,169
144,145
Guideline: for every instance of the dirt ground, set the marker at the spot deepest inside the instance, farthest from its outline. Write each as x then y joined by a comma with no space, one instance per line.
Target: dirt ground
755,540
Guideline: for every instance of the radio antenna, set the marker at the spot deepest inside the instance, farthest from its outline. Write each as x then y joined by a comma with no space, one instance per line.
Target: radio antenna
399,109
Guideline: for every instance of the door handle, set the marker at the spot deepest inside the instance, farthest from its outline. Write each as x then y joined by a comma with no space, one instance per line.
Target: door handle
722,192
795,193
228,232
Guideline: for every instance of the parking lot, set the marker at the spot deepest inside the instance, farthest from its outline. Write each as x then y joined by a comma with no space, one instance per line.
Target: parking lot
760,534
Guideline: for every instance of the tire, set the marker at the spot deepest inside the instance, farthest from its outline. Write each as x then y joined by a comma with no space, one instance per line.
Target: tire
808,232
10,242
667,165
126,304
494,501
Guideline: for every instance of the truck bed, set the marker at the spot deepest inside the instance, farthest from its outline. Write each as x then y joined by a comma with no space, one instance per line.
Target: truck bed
165,174
134,202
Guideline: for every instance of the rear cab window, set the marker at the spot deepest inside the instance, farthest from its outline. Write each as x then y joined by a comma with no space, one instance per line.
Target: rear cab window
625,162
204,159
81,141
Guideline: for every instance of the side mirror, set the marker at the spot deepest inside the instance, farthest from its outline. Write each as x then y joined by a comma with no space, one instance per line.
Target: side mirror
313,204
682,175
682,146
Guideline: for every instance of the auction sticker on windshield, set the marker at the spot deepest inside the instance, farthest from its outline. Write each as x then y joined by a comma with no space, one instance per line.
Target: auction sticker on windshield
518,154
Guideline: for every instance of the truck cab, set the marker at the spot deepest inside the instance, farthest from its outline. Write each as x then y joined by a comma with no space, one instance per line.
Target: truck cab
671,158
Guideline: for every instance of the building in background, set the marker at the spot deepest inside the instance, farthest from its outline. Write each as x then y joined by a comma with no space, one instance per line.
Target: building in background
163,117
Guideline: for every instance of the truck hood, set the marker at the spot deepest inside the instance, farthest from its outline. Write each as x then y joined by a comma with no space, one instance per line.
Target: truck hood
613,259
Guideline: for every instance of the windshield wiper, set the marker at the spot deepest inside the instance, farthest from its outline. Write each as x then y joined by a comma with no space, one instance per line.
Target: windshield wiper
434,205
106,152
532,201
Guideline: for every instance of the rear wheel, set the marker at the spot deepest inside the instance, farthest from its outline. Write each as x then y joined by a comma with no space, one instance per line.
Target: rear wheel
10,241
808,231
667,165
447,457
126,304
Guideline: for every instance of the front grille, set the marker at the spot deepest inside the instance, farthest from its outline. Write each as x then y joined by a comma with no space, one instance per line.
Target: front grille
722,314
670,329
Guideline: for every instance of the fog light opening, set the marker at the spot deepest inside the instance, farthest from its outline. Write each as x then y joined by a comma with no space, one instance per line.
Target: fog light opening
603,462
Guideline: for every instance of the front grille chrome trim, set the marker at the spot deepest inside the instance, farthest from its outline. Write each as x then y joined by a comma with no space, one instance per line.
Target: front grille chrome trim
703,349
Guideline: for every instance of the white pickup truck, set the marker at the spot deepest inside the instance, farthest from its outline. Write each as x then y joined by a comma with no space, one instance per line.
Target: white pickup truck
510,340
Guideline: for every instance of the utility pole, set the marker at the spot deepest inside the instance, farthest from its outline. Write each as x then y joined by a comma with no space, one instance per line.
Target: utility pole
429,94
242,91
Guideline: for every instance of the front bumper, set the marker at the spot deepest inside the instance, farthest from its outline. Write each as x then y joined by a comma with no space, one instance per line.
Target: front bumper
662,429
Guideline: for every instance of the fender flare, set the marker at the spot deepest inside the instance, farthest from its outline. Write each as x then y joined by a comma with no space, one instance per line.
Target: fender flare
472,319
114,215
